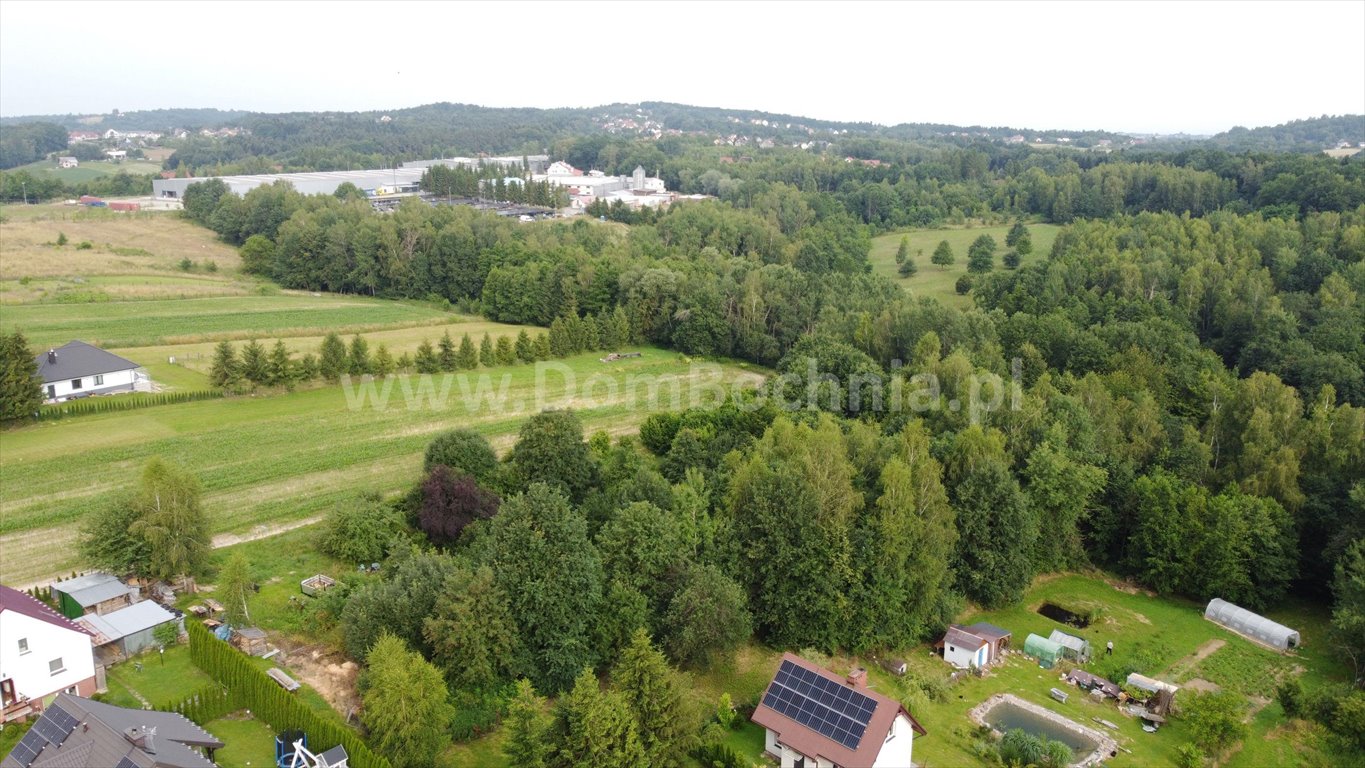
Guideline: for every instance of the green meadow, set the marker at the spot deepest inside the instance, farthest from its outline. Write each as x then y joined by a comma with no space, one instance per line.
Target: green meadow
939,282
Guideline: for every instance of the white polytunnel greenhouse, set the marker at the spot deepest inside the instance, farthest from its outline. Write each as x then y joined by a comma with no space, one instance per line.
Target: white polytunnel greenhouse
1251,625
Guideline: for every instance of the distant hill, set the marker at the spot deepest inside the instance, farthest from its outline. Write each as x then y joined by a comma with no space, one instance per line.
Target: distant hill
144,120
1311,135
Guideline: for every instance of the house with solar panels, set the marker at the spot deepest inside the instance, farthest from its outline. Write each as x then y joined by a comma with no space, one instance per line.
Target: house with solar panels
75,731
817,719
42,653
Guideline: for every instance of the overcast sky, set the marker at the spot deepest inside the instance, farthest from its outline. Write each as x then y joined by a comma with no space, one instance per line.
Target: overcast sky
1159,67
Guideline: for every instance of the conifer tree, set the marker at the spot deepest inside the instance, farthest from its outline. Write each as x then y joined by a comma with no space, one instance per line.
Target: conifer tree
426,360
21,391
254,368
525,351
407,706
280,366
447,360
225,372
527,727
358,361
903,250
541,347
468,357
383,361
486,358
655,695
332,360
505,354
593,728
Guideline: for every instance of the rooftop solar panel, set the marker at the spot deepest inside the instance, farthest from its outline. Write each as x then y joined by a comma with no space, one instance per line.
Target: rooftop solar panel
126,763
28,748
831,709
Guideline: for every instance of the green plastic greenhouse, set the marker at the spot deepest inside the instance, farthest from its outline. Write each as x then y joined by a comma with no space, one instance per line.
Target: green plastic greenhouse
1045,651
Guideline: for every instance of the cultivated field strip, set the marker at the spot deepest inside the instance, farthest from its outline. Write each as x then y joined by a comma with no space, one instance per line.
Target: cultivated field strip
139,323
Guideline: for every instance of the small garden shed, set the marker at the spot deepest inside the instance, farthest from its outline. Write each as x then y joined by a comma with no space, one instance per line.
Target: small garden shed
1044,650
1251,625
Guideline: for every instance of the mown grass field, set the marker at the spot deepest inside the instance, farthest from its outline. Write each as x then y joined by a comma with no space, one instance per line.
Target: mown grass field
280,458
938,282
145,243
118,324
89,169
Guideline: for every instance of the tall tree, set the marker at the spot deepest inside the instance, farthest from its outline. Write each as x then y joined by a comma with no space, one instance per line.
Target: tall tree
447,358
505,354
332,359
997,530
384,364
541,556
593,728
468,357
452,500
21,391
655,695
1019,239
487,358
943,255
234,590
463,450
550,449
707,619
407,707
1061,490
903,250
255,366
171,520
426,361
358,361
527,744
279,366
981,254
225,372
1348,613
472,633
525,352
906,545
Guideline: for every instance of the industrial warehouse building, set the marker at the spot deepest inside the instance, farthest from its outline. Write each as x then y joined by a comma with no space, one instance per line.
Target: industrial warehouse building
375,183
378,182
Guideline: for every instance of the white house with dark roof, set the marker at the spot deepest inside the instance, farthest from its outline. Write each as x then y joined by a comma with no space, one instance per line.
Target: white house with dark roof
77,369
42,653
817,719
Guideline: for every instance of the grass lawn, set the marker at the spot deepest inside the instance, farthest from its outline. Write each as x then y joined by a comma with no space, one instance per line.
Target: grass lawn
282,458
158,683
89,169
936,281
250,742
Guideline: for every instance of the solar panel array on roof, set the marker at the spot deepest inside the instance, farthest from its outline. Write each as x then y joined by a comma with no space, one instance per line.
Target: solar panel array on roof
52,728
126,762
827,707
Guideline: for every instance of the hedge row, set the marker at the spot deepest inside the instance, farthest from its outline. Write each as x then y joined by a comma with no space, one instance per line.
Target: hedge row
208,703
91,405
253,689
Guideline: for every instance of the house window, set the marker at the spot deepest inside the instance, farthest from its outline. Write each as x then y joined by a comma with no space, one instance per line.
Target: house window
23,646
99,379
56,667
75,383
74,690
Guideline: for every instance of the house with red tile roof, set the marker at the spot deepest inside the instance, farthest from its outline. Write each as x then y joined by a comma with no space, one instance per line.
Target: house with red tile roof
817,719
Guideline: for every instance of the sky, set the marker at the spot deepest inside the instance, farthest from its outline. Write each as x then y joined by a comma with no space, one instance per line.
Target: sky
1160,67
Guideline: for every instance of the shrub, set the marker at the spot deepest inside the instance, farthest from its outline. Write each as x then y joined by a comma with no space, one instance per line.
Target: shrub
963,285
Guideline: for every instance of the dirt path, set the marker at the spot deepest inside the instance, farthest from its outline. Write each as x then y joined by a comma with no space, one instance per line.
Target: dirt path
261,532
1202,652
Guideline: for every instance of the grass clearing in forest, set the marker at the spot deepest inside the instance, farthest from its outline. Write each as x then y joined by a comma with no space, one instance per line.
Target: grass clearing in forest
939,282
